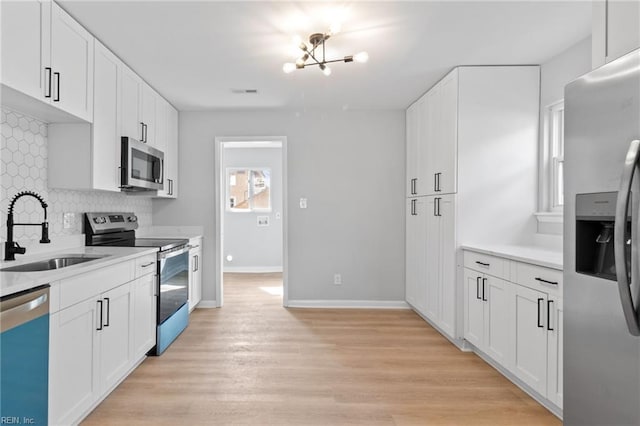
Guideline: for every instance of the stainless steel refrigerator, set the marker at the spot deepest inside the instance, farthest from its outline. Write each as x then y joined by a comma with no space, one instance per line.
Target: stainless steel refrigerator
601,258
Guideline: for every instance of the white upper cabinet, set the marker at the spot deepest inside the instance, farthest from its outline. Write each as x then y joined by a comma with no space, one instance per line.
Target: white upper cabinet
131,95
71,65
148,115
23,45
615,30
168,138
106,124
48,56
412,149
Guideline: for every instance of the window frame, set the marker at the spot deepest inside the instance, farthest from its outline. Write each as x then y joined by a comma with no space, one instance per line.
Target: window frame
228,197
552,158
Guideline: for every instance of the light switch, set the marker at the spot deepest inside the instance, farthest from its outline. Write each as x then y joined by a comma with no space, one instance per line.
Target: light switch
303,203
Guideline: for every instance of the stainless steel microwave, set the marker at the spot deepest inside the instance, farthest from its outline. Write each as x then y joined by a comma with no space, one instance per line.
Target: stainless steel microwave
142,167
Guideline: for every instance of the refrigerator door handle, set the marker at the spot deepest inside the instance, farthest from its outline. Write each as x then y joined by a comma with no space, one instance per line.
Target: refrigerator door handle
620,248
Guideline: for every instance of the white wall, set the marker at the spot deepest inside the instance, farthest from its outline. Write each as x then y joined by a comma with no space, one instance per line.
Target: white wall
254,248
350,167
554,75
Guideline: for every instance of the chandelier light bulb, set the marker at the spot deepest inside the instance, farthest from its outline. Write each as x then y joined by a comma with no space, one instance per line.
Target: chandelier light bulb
288,67
326,71
361,57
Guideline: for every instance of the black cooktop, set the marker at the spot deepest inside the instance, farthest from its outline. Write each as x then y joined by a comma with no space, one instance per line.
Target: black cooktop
162,243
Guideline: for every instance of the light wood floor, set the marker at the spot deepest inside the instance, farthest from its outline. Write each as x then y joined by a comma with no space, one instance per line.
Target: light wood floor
253,362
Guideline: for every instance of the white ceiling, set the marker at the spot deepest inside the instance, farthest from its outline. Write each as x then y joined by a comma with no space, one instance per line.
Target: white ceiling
195,53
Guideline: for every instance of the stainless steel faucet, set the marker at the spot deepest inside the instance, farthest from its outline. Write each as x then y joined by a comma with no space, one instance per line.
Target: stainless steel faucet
11,248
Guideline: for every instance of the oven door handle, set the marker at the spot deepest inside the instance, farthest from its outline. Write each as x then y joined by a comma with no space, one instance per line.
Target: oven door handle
173,253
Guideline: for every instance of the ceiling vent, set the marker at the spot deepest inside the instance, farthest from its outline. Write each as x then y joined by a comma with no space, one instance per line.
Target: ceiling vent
244,91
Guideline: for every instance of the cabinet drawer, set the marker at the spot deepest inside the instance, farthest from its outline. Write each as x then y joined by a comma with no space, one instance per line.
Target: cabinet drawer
538,277
146,265
90,284
490,265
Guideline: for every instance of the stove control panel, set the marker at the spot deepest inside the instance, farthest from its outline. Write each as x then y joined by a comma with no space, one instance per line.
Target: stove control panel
100,223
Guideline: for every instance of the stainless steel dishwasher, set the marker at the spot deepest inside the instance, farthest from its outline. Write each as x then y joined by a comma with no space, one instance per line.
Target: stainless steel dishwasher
24,357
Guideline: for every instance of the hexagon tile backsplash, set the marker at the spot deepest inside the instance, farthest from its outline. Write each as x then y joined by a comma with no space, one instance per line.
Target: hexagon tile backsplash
23,166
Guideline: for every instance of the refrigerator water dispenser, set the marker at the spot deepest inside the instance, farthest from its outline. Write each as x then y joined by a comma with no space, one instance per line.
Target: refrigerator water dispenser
595,215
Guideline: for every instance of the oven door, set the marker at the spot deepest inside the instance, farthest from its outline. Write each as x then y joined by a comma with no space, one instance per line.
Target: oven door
174,282
142,166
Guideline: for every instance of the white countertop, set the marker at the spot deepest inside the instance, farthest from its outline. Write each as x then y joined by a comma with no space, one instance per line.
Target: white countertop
13,282
536,255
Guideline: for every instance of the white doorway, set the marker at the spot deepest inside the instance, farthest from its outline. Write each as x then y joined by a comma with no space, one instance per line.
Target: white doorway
251,200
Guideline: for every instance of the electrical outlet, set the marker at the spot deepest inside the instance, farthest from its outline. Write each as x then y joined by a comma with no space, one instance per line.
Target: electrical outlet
303,203
337,279
68,220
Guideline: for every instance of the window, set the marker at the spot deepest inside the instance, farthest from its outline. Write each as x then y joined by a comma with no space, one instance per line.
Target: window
248,189
555,149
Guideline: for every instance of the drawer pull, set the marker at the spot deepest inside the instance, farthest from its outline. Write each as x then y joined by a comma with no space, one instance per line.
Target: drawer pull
482,264
147,264
546,282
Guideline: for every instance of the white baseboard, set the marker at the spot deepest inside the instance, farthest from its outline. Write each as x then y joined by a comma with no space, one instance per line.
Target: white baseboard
252,269
349,304
207,304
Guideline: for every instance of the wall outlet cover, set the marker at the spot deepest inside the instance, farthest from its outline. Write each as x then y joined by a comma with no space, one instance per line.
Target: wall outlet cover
303,203
68,220
263,220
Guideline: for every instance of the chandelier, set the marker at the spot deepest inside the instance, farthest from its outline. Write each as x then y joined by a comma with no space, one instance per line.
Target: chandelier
315,55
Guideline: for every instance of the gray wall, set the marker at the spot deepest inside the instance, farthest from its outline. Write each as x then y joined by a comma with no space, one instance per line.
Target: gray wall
350,167
254,248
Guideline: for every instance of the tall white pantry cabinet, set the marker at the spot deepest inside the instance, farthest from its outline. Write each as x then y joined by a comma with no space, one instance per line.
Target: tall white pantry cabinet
472,143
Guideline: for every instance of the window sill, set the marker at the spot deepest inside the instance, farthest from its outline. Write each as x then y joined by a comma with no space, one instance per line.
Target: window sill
549,217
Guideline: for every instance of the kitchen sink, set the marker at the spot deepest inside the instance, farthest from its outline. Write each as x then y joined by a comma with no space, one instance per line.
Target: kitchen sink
53,263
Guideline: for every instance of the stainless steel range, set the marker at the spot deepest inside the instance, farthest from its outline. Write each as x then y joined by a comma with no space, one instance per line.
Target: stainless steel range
118,229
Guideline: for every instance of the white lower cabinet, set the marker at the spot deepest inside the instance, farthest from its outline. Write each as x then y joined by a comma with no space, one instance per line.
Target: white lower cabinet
529,330
74,350
90,343
115,335
486,315
96,342
195,272
144,320
516,320
555,351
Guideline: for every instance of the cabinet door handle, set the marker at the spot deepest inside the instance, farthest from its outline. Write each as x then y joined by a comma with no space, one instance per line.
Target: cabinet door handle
146,135
478,288
57,98
435,182
540,299
484,282
482,264
439,199
193,268
546,282
413,207
100,309
549,302
108,310
435,206
197,262
141,131
415,186
48,70
438,182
